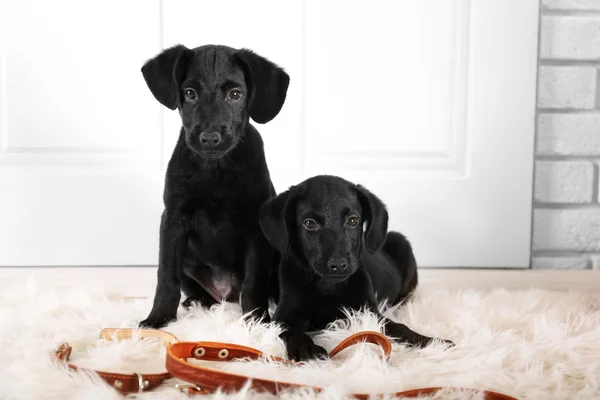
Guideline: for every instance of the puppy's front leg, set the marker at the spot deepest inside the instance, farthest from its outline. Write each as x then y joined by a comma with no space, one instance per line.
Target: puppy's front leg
299,346
173,244
395,330
259,263
404,334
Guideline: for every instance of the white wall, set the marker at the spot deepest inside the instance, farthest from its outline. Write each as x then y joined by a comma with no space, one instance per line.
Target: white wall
566,230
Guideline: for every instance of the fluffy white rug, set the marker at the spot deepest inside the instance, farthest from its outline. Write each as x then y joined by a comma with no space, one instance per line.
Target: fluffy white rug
529,344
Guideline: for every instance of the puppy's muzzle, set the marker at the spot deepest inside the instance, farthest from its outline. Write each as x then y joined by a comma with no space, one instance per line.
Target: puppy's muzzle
210,140
335,270
337,265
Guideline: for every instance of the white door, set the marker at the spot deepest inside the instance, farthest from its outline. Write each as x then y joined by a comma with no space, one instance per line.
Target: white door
428,103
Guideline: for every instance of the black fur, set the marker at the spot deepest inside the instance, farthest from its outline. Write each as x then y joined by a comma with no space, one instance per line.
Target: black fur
333,263
211,245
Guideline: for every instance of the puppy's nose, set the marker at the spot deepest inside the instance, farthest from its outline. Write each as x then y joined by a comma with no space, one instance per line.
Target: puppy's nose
210,139
337,264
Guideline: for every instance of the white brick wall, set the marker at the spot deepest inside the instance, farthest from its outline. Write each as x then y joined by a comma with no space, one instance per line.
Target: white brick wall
566,220
564,182
567,229
560,134
571,38
567,87
570,5
560,262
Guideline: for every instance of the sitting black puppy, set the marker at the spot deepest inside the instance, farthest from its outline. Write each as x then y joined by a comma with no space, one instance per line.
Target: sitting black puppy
211,244
329,261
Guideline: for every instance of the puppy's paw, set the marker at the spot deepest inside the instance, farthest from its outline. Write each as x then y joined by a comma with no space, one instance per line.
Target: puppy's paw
420,341
154,323
305,352
150,324
448,343
198,302
189,302
402,334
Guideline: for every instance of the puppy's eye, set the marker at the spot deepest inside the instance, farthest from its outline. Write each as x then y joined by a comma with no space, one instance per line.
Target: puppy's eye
190,94
352,220
310,224
234,94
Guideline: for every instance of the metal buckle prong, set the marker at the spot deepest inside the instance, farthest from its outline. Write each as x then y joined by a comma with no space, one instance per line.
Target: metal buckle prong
142,384
185,386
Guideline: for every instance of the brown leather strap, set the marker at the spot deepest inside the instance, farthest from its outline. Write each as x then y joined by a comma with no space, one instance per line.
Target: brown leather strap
124,383
204,380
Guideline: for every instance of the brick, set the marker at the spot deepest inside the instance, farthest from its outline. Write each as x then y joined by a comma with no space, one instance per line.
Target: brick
571,229
567,87
568,37
568,134
559,262
570,5
595,262
564,182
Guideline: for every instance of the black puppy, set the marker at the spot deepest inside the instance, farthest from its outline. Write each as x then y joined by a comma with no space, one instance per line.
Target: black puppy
211,245
329,261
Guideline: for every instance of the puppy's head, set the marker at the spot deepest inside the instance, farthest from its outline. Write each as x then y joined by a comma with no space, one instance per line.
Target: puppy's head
321,223
216,89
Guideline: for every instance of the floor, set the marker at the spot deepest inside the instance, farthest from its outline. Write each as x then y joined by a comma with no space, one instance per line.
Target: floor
140,281
530,344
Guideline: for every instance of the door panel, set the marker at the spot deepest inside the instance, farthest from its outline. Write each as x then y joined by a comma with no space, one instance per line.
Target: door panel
432,111
387,99
71,87
79,135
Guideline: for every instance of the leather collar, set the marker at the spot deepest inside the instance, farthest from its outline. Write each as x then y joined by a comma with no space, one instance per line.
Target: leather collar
205,380
124,383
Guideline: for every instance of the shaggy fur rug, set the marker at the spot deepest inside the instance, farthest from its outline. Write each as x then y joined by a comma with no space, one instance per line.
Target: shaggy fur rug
528,344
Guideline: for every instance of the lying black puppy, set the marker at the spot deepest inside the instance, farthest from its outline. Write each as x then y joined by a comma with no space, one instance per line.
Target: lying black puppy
211,245
329,261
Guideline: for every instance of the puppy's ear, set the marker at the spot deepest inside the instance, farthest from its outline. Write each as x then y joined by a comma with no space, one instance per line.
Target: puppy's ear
268,85
376,216
163,74
276,220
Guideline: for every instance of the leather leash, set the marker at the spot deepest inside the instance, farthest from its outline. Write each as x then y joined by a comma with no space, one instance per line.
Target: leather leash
124,383
204,380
